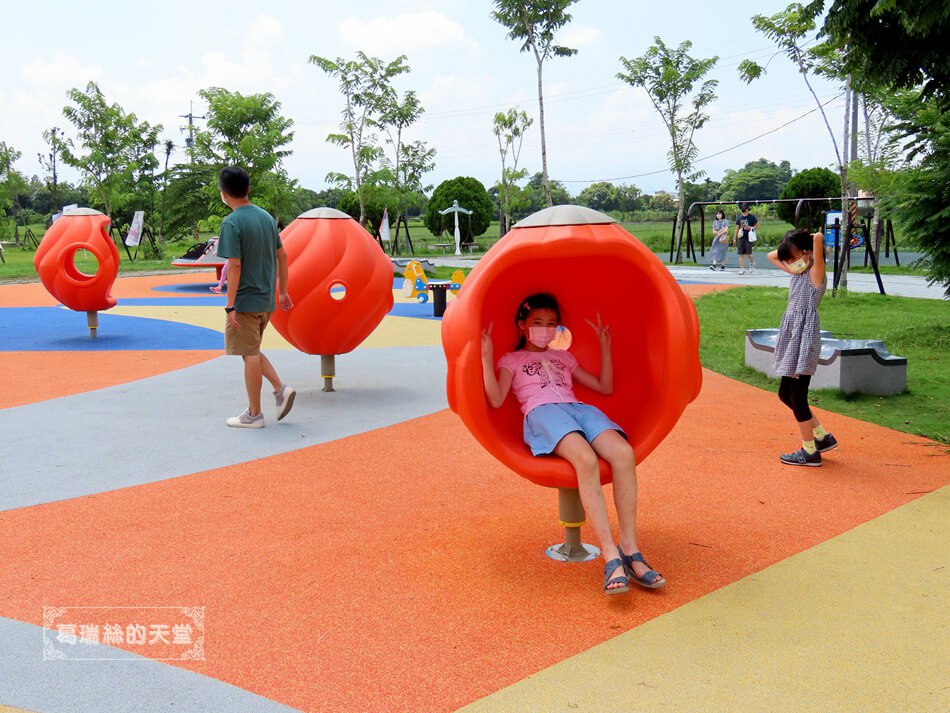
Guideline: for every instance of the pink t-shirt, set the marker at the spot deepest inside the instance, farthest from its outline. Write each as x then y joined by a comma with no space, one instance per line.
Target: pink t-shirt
540,377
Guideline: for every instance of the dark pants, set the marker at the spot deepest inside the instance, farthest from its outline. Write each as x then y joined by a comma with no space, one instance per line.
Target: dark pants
794,393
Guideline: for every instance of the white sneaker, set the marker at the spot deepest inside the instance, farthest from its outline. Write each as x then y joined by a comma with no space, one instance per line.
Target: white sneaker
246,420
742,272
753,268
285,400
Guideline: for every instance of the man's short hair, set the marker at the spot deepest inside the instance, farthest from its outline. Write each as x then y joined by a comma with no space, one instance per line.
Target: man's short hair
234,181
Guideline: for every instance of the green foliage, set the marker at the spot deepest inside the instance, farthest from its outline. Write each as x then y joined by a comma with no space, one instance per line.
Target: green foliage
247,131
811,183
369,103
471,195
509,128
671,78
534,23
917,329
792,30
920,198
375,200
607,197
113,151
897,45
757,180
533,198
674,82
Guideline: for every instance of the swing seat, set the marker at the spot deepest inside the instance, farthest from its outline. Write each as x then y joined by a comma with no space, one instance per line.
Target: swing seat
591,264
339,279
80,229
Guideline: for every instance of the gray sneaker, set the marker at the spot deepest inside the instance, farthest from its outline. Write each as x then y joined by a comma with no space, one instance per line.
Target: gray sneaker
246,420
285,400
828,443
801,457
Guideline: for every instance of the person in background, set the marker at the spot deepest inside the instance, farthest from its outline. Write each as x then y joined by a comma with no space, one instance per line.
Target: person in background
744,223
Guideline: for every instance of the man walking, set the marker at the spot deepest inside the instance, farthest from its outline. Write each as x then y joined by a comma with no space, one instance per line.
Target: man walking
250,240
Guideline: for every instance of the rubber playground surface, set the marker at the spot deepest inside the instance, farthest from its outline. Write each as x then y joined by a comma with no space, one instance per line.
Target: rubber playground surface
366,554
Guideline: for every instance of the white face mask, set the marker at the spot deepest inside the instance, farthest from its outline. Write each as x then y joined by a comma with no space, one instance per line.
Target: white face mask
541,336
797,267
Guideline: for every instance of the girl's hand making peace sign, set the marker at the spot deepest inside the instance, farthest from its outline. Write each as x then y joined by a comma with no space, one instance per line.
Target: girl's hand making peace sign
602,330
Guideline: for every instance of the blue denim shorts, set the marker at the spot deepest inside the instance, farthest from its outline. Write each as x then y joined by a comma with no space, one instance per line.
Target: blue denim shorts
546,425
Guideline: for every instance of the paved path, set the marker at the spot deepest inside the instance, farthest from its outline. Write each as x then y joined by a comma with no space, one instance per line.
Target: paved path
767,275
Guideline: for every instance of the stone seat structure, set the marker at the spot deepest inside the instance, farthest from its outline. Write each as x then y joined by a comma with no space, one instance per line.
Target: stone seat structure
850,365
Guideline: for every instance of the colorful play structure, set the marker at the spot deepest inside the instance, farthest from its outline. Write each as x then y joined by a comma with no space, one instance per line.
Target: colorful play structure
416,285
591,264
340,282
55,263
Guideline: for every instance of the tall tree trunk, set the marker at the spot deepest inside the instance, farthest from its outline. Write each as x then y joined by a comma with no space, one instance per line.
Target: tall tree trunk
544,150
680,218
843,173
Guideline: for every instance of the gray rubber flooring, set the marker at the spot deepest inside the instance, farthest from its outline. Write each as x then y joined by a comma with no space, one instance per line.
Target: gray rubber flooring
173,424
124,684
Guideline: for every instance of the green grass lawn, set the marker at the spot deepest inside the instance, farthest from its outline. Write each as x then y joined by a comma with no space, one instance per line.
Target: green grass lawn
917,329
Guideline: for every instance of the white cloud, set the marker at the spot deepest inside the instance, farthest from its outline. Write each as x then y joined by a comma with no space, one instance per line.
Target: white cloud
60,70
383,36
265,30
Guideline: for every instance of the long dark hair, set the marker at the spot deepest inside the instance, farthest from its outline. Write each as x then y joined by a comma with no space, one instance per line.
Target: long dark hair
800,239
541,300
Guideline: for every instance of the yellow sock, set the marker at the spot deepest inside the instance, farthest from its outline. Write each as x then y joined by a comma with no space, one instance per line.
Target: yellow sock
809,447
819,432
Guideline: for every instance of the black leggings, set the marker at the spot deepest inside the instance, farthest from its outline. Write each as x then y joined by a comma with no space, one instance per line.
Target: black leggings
793,391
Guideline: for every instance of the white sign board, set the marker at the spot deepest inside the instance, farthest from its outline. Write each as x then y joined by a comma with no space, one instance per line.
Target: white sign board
135,230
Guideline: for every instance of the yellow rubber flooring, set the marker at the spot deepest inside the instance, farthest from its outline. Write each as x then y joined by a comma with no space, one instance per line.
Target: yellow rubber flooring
857,624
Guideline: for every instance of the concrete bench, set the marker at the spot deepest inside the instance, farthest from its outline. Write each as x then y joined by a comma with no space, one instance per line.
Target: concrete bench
862,365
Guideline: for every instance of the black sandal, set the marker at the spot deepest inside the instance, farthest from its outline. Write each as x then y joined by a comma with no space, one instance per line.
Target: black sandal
651,579
622,579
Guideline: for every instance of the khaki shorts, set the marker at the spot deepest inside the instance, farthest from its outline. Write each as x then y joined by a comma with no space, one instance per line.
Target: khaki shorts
246,340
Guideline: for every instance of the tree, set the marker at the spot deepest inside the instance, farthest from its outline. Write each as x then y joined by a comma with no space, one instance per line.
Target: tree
896,45
757,180
247,131
407,163
534,24
670,78
11,184
601,196
113,151
901,46
811,183
471,195
509,128
367,93
50,161
534,199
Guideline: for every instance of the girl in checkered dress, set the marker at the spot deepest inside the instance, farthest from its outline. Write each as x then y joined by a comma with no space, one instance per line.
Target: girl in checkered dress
798,344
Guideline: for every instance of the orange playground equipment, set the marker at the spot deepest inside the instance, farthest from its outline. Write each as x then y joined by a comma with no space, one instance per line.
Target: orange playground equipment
341,284
55,263
591,264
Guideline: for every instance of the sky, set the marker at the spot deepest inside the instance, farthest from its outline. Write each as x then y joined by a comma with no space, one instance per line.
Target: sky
153,58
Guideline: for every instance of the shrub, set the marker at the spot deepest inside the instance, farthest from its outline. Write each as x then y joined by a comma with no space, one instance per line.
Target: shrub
471,195
811,183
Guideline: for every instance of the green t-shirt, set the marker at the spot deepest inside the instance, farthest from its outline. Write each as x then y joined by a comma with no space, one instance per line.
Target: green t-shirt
250,234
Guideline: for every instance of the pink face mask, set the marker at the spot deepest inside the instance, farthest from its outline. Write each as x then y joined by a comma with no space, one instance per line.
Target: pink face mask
541,336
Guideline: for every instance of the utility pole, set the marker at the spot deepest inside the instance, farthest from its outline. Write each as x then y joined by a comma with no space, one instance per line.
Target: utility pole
190,141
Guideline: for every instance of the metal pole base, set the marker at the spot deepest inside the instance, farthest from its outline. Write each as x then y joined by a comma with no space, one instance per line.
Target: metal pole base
327,370
572,516
92,321
568,553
